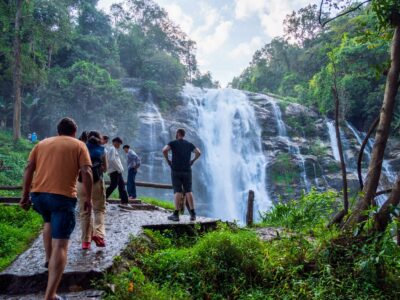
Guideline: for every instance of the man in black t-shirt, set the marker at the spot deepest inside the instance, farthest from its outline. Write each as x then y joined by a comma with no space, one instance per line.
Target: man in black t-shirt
181,171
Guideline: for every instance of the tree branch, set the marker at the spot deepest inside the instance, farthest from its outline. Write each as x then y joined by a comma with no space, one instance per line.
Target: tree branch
339,15
361,153
383,192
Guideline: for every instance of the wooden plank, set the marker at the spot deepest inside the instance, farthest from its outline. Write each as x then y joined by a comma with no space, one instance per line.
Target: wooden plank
250,209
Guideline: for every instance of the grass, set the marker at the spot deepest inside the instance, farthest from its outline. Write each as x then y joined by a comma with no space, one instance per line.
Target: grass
17,230
13,157
150,200
156,202
313,262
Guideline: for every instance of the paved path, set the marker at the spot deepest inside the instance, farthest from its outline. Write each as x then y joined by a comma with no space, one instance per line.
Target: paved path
28,275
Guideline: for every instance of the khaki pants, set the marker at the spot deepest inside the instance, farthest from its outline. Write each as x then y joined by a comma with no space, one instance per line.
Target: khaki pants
90,228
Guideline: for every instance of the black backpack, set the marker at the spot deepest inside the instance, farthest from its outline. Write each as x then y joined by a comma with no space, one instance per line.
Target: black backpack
97,170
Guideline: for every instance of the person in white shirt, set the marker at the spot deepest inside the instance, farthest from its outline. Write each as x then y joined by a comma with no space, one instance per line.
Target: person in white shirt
115,170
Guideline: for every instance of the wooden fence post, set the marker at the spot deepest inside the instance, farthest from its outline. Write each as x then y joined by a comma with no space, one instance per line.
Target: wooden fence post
250,209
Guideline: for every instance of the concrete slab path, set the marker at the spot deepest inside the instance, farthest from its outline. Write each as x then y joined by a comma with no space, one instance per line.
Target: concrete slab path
27,275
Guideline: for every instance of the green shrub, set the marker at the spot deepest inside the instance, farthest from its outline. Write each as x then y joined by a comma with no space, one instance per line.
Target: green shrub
17,229
306,213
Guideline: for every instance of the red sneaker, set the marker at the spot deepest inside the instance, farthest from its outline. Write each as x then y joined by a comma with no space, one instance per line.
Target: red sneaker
100,242
85,245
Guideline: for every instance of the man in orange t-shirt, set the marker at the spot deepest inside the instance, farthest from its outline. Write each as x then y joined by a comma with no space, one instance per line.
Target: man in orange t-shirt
50,183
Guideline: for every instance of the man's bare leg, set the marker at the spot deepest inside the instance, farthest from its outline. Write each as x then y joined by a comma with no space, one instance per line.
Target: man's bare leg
47,240
57,264
190,200
178,197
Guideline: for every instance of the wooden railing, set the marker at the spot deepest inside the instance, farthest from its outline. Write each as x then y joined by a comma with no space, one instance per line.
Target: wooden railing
250,200
138,183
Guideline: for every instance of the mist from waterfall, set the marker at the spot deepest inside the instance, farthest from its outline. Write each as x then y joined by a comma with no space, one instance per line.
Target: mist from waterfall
233,160
151,135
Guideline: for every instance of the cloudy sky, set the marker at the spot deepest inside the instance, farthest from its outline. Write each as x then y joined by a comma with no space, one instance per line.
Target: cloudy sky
227,32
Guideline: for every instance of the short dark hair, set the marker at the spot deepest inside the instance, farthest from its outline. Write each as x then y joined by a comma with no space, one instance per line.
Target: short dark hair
106,138
94,137
126,147
84,136
117,140
181,132
67,126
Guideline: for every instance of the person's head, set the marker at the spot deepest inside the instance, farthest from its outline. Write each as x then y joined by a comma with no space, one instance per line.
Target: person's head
126,148
67,126
104,139
94,137
84,136
117,142
180,133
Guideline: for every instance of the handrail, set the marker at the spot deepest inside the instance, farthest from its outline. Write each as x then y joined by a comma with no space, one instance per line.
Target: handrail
138,183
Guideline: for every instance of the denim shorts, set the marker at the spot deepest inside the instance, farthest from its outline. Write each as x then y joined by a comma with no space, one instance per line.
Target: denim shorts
58,210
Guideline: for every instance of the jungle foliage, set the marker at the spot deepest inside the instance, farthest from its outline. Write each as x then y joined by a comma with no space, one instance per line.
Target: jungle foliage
73,55
301,64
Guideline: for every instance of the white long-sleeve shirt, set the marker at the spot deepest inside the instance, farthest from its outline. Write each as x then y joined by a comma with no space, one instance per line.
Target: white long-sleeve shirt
114,161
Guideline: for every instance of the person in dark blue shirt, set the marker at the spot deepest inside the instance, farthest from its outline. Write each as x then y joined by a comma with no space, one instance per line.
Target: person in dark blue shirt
181,171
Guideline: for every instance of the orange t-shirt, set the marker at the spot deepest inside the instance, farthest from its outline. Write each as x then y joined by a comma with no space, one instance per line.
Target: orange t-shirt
58,160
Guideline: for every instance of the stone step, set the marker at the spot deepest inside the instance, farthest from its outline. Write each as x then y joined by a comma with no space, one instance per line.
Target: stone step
27,275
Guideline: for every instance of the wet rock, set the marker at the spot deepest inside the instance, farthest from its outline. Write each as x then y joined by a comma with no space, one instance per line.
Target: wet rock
270,233
295,109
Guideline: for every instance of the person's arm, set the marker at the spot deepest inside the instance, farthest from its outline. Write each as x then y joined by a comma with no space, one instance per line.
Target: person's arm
30,168
87,182
105,163
165,151
197,154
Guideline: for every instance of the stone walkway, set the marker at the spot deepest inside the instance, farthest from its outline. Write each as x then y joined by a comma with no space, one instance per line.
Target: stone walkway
27,274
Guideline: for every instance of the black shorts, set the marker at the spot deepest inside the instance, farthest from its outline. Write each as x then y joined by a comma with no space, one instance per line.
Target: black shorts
182,181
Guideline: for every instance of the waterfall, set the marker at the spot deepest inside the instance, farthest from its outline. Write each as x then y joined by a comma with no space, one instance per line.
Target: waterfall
386,167
332,137
292,147
233,161
151,135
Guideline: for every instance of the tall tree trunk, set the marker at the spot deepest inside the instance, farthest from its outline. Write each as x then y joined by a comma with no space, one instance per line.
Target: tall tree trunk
337,219
17,72
381,137
382,218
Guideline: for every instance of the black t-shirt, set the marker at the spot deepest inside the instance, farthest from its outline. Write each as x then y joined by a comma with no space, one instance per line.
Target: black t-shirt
181,155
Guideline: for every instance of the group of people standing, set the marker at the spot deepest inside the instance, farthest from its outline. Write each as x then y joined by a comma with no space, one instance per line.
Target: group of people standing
63,169
104,159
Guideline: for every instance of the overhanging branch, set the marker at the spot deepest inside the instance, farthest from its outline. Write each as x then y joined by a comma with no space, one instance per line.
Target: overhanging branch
358,6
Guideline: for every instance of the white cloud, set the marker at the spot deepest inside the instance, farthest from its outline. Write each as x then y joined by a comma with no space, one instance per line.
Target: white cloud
247,8
271,13
246,49
183,20
211,43
210,18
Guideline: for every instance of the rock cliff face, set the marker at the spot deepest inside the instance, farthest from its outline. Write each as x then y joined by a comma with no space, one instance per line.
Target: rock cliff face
251,141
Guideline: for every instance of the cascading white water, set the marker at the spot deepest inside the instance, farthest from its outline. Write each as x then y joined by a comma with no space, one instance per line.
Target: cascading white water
292,147
386,168
333,140
151,117
233,160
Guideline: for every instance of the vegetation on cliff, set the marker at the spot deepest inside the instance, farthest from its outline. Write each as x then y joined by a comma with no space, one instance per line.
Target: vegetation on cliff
306,261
